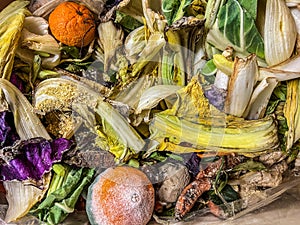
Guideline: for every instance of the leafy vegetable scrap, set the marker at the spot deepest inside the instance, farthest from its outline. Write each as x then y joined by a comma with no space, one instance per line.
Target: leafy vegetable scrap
34,158
200,95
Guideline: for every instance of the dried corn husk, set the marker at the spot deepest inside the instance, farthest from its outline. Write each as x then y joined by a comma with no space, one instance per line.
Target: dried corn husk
110,40
279,32
292,112
241,84
260,98
11,24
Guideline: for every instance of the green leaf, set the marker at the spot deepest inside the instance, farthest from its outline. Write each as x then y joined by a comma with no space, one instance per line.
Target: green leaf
209,68
238,26
60,203
127,22
250,6
174,9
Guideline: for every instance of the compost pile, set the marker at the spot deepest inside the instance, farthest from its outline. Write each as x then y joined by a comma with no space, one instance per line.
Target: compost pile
201,96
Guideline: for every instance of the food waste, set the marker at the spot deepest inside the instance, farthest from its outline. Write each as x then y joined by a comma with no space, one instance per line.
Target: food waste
139,111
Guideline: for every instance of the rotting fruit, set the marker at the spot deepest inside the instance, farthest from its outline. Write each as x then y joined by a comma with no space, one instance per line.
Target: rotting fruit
120,195
72,24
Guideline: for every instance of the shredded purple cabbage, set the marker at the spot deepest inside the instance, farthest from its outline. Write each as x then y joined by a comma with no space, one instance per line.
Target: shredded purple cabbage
8,133
35,159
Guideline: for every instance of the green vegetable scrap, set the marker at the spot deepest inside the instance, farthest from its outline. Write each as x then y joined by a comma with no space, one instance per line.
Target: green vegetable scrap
235,26
174,9
66,187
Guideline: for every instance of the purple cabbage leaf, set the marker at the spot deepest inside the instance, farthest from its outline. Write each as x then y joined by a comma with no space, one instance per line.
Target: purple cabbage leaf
32,158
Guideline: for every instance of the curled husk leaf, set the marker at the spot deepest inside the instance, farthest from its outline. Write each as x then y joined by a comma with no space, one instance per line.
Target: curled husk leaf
241,84
22,196
287,70
35,38
291,112
260,98
152,96
279,32
110,39
11,23
135,43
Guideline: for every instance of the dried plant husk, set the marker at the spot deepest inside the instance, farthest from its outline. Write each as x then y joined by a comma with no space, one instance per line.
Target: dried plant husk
36,38
110,40
241,84
135,43
284,71
292,112
11,23
152,96
279,32
260,98
22,196
27,123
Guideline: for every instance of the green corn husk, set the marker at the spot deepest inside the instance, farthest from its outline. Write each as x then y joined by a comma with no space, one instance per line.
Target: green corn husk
193,125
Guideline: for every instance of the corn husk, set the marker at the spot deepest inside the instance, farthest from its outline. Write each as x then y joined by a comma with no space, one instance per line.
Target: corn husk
241,84
292,112
11,24
279,32
110,40
260,98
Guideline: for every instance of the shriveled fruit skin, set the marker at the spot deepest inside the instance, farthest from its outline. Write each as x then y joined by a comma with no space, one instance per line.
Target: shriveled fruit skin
72,24
120,196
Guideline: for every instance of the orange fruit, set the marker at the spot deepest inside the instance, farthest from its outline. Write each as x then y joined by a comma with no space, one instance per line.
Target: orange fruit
72,24
120,196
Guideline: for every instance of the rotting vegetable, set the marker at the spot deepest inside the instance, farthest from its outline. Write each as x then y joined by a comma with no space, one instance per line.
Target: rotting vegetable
197,85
